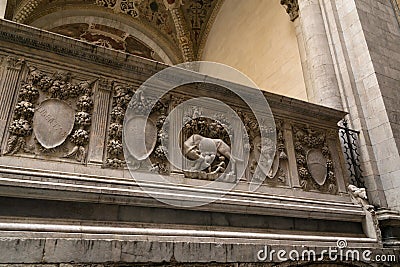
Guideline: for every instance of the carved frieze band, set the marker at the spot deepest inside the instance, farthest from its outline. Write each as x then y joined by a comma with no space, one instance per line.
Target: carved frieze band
292,8
37,41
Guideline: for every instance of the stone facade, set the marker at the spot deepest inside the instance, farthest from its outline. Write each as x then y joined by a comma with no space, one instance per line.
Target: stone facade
67,195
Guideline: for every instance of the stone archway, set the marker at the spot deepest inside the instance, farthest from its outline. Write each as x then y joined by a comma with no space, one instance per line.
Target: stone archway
60,20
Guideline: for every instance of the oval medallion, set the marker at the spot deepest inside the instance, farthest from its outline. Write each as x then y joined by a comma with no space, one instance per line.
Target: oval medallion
140,137
316,164
52,123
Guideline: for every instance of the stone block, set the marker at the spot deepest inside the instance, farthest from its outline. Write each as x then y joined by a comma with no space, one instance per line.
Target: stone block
81,250
21,250
142,251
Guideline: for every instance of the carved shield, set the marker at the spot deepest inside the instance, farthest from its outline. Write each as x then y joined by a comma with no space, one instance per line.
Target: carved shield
270,170
140,137
316,164
53,122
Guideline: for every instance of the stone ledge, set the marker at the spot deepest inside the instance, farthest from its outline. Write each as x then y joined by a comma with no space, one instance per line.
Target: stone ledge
56,250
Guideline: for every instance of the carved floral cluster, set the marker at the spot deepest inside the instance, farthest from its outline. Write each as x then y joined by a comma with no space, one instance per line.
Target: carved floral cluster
122,97
21,126
24,109
59,86
160,153
83,120
114,147
29,92
80,137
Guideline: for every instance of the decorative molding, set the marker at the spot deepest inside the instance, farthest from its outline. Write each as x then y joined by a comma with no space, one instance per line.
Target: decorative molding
80,51
292,8
396,7
120,6
207,29
26,9
184,35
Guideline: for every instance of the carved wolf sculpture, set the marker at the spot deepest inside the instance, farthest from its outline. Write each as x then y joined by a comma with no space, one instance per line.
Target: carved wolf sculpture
192,144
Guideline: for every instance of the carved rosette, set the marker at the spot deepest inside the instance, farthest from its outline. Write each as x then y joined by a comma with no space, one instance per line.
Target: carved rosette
41,88
313,158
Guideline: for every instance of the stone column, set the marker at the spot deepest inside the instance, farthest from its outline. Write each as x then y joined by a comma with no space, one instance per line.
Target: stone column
318,68
303,57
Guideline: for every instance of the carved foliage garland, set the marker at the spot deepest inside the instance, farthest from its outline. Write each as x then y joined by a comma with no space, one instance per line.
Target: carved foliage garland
314,162
138,104
47,97
21,126
121,98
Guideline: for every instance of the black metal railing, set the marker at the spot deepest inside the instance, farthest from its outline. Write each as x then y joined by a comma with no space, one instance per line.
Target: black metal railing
350,150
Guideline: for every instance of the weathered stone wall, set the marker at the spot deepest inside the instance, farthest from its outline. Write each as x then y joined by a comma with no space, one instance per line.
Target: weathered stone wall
366,44
362,38
382,34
